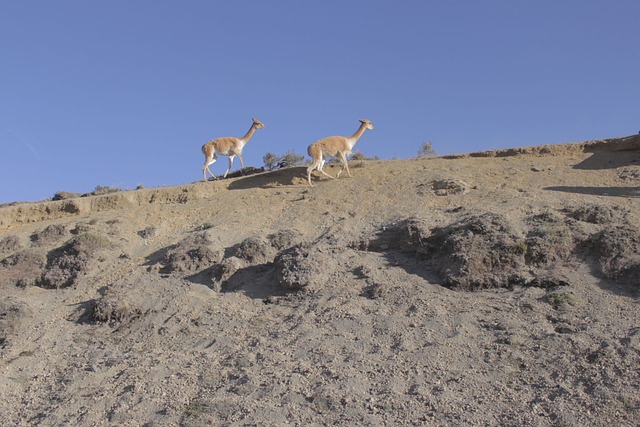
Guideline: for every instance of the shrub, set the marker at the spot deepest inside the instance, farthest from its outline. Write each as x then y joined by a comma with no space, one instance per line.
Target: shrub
426,150
359,155
269,160
104,189
290,158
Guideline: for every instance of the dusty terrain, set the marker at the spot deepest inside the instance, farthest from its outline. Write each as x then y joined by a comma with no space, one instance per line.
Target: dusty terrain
494,288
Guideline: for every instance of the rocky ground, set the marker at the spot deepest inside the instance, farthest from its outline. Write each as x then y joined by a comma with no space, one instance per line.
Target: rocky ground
493,288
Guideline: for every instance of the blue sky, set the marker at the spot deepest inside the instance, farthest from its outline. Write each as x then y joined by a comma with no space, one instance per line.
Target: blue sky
121,93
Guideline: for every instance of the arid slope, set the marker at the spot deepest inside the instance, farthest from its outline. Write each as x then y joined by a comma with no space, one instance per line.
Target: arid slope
493,288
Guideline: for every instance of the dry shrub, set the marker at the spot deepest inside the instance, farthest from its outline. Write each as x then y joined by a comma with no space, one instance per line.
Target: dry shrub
125,301
112,308
23,268
191,254
561,300
598,214
65,265
49,235
300,266
483,251
103,189
359,155
255,250
617,251
148,232
448,186
12,317
478,252
9,244
65,195
222,271
549,240
283,239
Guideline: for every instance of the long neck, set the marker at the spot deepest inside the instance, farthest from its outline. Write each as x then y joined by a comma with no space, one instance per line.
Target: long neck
359,133
249,134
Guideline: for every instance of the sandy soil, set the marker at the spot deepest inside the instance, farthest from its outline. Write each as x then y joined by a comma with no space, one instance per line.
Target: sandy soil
494,288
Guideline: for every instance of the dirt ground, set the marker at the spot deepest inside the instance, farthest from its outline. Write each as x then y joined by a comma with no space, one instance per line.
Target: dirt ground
493,288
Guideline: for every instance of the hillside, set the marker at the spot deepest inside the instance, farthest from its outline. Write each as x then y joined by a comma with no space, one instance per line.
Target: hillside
492,288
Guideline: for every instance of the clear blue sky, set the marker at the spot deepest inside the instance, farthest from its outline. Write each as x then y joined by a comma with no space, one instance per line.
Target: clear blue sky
121,93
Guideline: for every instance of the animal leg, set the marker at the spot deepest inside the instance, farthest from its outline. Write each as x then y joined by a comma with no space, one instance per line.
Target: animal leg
321,168
309,170
326,174
241,163
230,163
205,168
343,164
317,164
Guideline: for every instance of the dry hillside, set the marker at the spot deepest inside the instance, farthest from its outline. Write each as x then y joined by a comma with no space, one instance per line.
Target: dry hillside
493,288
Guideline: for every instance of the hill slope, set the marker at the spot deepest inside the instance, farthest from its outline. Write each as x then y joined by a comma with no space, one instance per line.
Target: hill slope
488,288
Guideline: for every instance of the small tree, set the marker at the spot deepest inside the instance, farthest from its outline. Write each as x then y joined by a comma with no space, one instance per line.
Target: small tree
269,160
425,150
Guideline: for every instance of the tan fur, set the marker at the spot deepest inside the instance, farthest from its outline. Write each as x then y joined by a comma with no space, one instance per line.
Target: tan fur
334,146
226,146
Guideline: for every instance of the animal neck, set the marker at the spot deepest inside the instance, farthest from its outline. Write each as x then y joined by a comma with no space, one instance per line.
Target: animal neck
359,132
354,138
249,134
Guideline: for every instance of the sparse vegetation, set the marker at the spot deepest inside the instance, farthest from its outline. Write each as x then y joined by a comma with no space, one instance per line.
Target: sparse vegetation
357,159
269,160
65,195
104,189
403,296
9,243
561,300
22,268
191,254
426,150
66,264
290,158
49,234
195,409
519,248
359,155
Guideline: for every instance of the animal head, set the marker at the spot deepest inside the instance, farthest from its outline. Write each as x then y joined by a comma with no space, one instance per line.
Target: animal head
258,124
368,123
